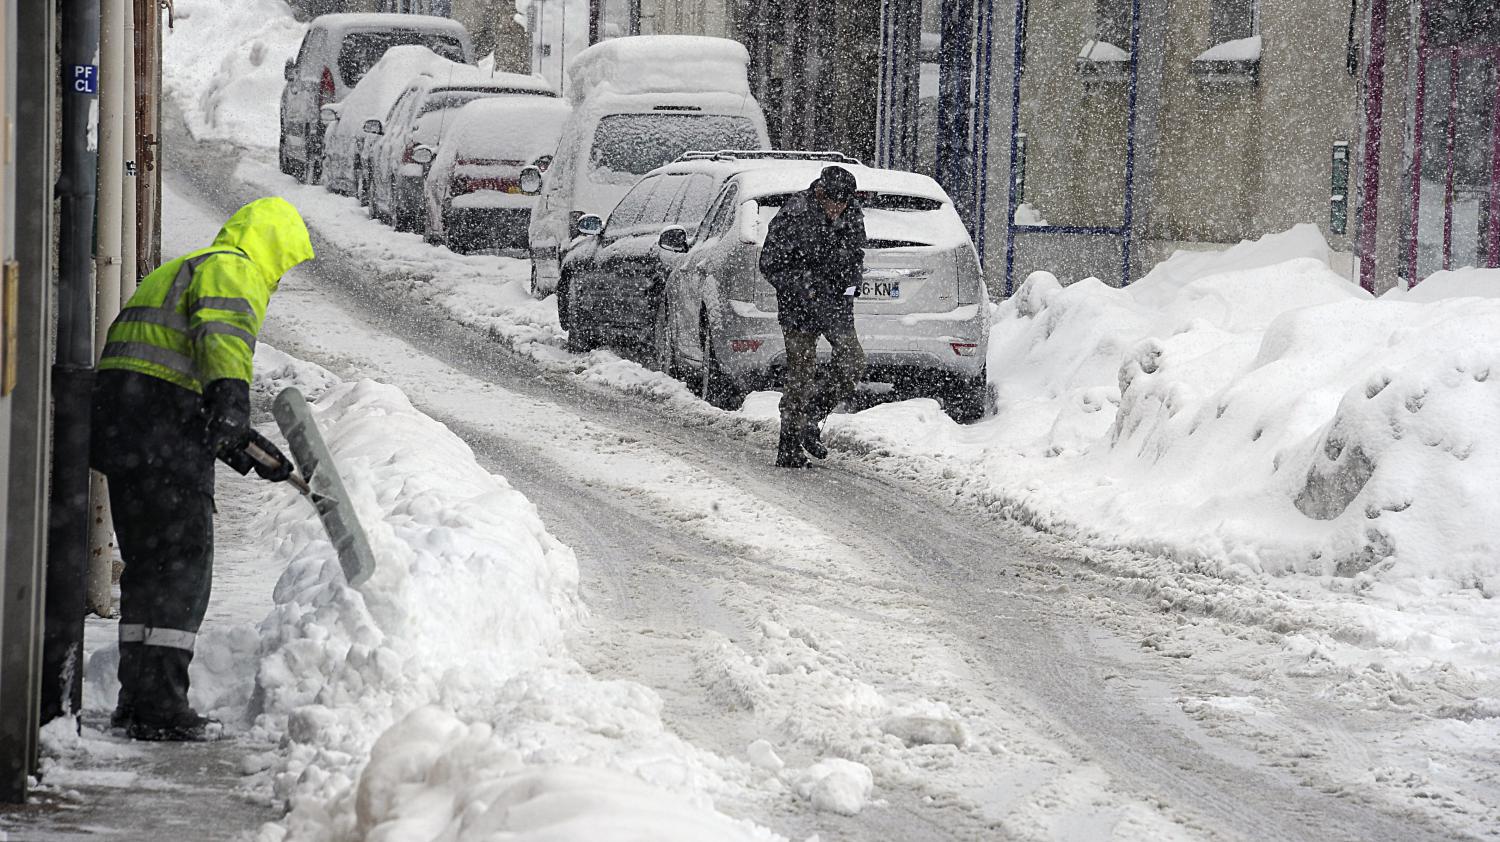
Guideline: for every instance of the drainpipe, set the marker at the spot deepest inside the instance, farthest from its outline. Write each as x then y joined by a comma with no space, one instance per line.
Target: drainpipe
129,134
1374,105
106,273
72,374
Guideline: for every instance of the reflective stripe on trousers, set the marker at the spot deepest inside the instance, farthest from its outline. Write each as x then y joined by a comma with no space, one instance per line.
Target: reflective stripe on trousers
170,638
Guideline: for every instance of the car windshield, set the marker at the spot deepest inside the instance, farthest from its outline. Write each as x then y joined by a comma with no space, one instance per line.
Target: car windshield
360,50
627,146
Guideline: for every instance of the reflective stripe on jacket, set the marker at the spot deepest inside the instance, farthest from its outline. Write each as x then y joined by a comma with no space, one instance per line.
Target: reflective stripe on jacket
195,320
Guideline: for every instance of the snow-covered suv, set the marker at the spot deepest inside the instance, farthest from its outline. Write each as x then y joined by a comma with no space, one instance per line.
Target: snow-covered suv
335,53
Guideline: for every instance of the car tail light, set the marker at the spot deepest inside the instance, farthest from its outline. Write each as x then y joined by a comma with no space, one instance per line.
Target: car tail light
326,89
543,163
745,346
406,156
964,349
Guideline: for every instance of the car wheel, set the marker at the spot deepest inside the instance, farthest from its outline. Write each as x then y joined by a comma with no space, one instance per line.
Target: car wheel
534,286
290,166
663,352
564,315
714,384
581,336
966,399
361,187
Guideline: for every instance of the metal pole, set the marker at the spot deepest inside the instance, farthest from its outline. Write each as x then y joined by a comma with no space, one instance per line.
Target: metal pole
1493,251
110,187
1374,106
22,570
67,533
1416,142
130,199
1015,131
1135,68
1450,166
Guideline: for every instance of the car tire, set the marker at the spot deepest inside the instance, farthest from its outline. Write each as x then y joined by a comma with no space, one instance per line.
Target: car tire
662,350
966,400
714,384
581,335
534,286
289,166
361,187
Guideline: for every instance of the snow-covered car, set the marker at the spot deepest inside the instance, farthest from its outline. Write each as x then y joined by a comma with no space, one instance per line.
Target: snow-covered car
394,179
922,314
639,103
372,99
473,195
336,52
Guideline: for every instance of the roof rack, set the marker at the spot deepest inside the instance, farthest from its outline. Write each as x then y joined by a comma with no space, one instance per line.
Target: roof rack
768,154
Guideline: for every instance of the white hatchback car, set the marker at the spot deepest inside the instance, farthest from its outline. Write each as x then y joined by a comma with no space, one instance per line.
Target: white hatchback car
923,311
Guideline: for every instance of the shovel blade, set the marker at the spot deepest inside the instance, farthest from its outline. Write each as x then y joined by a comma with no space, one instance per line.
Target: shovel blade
328,496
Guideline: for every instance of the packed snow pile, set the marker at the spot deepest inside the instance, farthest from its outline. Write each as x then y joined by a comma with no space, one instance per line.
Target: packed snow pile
438,700
647,64
230,92
1270,412
1247,412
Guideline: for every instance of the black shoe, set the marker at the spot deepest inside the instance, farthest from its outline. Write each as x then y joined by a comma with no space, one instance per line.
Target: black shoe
812,442
789,449
122,718
186,727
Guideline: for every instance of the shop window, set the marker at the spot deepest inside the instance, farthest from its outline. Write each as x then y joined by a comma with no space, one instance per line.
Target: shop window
1106,56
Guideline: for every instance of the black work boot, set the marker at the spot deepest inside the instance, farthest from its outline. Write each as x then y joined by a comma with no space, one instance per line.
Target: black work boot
812,441
185,726
130,680
789,448
162,712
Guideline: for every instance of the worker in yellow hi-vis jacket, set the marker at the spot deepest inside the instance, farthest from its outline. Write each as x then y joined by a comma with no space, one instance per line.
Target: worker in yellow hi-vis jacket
173,394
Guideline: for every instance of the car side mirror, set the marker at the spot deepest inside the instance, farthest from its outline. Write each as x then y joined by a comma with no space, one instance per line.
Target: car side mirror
531,180
328,114
422,154
374,127
290,71
673,239
590,224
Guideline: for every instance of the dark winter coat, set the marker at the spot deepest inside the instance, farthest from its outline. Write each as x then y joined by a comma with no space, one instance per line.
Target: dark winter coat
811,260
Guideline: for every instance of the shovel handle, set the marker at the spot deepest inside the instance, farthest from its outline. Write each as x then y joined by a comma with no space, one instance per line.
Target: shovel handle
270,461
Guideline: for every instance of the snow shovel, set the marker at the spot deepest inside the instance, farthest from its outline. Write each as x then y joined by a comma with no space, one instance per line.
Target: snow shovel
320,483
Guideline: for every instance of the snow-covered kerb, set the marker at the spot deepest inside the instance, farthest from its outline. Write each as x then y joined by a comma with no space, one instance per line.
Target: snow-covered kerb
438,700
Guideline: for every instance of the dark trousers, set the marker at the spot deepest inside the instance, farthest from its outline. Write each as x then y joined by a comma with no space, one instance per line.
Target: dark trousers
165,531
808,395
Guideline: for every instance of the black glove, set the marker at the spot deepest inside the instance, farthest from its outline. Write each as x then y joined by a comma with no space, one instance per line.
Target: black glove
277,468
226,412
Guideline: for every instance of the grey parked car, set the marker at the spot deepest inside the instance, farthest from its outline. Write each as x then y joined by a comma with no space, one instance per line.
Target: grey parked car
922,314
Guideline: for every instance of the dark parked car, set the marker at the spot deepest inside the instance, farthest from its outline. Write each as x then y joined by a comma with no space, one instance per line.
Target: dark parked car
613,275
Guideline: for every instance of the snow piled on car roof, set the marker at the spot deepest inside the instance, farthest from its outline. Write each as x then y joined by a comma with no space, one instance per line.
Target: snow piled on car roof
517,128
647,64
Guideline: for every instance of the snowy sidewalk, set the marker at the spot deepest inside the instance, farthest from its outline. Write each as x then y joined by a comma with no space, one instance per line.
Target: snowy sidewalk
101,786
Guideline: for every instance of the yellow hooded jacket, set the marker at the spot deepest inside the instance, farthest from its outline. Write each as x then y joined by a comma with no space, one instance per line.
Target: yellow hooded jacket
195,319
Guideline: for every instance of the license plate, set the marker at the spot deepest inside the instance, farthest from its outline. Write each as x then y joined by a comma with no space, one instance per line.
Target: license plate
880,289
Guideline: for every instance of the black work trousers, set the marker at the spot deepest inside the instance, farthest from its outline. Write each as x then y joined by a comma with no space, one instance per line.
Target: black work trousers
165,530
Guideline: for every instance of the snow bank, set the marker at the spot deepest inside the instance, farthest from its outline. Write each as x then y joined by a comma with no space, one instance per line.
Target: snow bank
230,93
438,699
647,64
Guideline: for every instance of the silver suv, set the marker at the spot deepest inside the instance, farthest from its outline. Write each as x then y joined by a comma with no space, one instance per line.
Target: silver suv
922,315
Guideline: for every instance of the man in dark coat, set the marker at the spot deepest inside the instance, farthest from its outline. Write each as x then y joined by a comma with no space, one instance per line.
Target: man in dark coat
814,256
